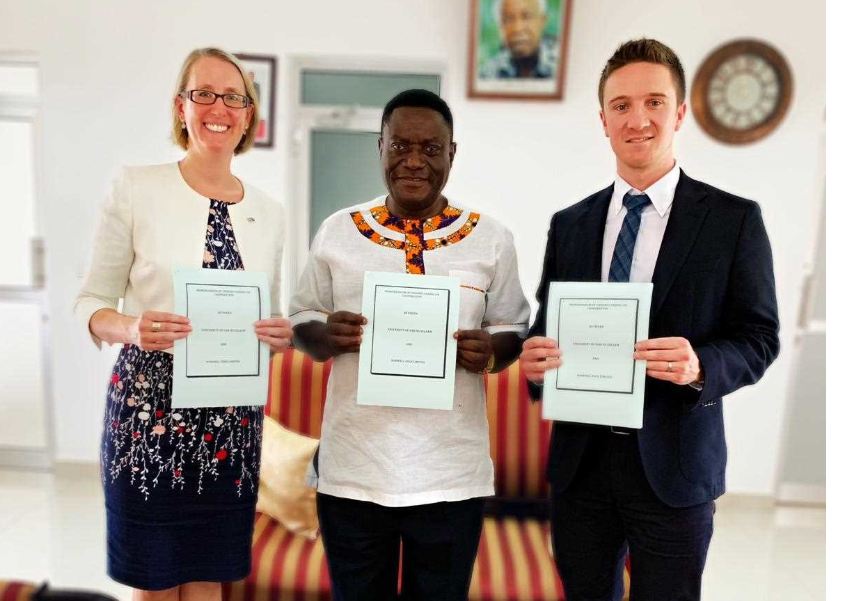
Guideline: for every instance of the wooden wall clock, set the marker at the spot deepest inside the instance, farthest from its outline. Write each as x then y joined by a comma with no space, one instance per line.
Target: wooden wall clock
741,92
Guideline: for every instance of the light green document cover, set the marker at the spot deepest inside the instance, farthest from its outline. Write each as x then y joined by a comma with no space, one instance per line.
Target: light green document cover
596,326
408,356
222,362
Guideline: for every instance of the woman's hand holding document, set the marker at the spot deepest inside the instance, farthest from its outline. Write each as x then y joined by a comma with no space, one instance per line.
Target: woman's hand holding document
222,362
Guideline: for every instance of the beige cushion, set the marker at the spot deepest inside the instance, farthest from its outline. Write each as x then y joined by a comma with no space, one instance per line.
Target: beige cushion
283,495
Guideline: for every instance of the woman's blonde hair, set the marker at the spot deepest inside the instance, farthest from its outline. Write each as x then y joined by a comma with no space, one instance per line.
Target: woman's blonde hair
179,133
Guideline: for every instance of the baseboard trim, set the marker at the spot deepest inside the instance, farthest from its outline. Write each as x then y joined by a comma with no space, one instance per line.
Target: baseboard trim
745,501
793,493
85,469
26,459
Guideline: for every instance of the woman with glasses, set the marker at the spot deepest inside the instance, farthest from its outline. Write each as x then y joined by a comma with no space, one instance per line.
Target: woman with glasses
180,485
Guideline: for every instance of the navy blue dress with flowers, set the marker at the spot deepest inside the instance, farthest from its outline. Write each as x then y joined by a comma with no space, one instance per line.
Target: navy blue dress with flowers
180,485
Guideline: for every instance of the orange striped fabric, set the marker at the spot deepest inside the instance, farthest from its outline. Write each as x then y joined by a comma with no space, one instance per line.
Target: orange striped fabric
297,391
518,436
285,567
514,563
16,591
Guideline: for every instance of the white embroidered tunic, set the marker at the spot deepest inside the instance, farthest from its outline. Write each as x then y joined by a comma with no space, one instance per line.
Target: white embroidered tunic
398,456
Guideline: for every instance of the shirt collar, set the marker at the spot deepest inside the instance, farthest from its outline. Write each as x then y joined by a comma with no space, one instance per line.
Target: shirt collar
661,193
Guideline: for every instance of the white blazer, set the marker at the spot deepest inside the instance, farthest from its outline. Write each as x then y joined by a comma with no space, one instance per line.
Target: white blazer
153,222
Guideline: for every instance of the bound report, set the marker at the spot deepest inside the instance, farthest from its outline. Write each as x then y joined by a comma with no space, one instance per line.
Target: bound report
596,326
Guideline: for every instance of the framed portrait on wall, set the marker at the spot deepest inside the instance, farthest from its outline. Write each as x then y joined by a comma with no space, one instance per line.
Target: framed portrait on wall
262,71
518,49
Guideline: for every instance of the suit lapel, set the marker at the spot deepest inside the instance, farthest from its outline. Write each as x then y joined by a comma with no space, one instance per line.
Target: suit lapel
586,254
686,217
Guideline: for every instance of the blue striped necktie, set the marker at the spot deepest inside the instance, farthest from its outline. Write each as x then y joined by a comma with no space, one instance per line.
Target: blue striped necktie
621,262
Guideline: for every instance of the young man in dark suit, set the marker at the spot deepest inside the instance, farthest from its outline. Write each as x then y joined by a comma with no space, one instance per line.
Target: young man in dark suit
713,329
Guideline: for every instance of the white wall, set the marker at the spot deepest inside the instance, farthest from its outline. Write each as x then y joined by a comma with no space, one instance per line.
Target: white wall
108,68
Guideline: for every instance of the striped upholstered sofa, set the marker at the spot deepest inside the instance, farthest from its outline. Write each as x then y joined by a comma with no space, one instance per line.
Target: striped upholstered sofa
513,562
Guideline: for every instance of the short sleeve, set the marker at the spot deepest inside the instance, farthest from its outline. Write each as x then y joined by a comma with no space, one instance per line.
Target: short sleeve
312,300
507,309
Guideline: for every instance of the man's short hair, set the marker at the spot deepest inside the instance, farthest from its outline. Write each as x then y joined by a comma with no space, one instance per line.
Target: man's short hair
418,99
498,4
644,50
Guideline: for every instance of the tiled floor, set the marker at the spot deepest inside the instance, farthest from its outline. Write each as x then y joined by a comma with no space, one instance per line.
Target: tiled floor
52,526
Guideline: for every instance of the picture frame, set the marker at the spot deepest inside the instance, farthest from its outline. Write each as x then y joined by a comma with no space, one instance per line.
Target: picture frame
518,49
262,71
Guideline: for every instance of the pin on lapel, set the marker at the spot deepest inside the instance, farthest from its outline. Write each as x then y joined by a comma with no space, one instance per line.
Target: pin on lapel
250,219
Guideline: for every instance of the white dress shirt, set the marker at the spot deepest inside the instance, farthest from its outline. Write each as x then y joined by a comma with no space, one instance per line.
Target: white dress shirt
653,223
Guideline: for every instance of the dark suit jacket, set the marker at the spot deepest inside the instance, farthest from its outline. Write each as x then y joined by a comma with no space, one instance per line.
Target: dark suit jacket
713,284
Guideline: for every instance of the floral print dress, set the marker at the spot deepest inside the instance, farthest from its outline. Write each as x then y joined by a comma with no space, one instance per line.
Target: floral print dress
180,485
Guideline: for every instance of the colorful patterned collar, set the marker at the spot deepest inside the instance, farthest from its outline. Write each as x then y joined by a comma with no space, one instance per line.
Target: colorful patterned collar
400,224
413,231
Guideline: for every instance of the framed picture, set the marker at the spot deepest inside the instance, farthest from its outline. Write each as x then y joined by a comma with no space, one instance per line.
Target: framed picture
517,49
262,71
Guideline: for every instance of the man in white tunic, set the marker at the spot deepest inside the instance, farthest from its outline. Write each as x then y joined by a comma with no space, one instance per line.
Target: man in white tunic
418,477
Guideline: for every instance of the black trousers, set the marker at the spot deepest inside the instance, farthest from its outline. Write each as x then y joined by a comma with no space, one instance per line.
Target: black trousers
610,507
363,548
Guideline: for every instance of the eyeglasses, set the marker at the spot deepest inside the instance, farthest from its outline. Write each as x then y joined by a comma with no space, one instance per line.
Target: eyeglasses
231,100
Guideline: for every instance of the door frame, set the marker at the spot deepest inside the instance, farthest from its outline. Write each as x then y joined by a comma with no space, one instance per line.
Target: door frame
308,118
28,109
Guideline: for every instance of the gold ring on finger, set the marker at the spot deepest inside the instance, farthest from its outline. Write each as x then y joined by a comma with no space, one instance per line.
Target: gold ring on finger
156,326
